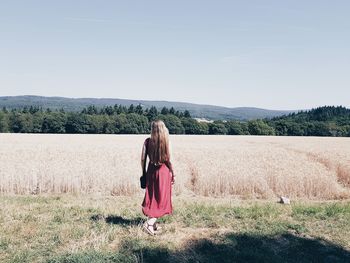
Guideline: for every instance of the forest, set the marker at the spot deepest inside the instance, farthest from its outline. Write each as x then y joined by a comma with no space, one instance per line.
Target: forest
323,121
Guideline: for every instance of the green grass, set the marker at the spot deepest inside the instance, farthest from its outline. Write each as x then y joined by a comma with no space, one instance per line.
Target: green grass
67,228
331,210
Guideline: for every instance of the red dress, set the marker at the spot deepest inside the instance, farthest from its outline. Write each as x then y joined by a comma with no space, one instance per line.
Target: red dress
157,201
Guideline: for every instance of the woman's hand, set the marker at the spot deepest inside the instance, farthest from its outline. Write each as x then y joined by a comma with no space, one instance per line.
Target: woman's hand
172,179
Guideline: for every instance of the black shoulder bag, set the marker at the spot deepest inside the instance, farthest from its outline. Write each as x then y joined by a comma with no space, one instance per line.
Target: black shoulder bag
143,176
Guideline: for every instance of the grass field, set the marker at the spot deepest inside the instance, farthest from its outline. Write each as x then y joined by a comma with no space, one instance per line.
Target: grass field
246,167
68,228
76,198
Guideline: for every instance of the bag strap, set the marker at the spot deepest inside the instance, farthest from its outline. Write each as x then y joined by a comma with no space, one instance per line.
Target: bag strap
144,163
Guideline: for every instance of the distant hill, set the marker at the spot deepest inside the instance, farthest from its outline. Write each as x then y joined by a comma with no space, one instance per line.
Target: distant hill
196,110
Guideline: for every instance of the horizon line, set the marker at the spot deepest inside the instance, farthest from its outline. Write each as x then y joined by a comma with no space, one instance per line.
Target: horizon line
161,100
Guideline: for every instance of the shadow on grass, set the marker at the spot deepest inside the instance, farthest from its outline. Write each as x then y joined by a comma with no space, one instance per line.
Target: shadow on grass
257,248
117,220
224,248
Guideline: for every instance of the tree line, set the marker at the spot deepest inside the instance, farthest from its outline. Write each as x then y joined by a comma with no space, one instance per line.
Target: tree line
118,119
321,121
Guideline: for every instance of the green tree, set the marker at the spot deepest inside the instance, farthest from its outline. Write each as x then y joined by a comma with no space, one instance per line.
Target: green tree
119,109
192,126
109,124
120,123
20,122
347,130
152,113
139,109
136,124
38,118
317,128
164,111
25,109
108,110
95,124
76,123
4,127
33,109
259,127
54,122
218,128
173,123
179,114
131,109
91,110
235,128
281,127
187,114
295,129
337,131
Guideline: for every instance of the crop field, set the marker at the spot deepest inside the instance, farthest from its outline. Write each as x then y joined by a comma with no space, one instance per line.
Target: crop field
245,167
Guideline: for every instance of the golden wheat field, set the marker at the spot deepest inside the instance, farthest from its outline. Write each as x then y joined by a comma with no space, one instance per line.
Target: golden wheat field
237,166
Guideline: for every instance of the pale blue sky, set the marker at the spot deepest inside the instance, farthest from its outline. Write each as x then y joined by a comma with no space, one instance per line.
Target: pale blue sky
269,54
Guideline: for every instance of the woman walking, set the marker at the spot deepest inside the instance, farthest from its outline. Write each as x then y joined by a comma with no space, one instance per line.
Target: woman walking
159,176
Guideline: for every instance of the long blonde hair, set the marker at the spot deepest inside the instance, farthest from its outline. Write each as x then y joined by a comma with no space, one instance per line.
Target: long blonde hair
159,143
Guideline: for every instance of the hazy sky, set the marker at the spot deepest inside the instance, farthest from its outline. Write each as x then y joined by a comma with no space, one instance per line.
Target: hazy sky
269,54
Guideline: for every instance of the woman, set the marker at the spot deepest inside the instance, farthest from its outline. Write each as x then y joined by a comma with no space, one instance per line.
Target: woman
159,176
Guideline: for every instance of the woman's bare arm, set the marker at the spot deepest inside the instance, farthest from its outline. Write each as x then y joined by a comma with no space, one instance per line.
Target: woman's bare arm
143,155
170,165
